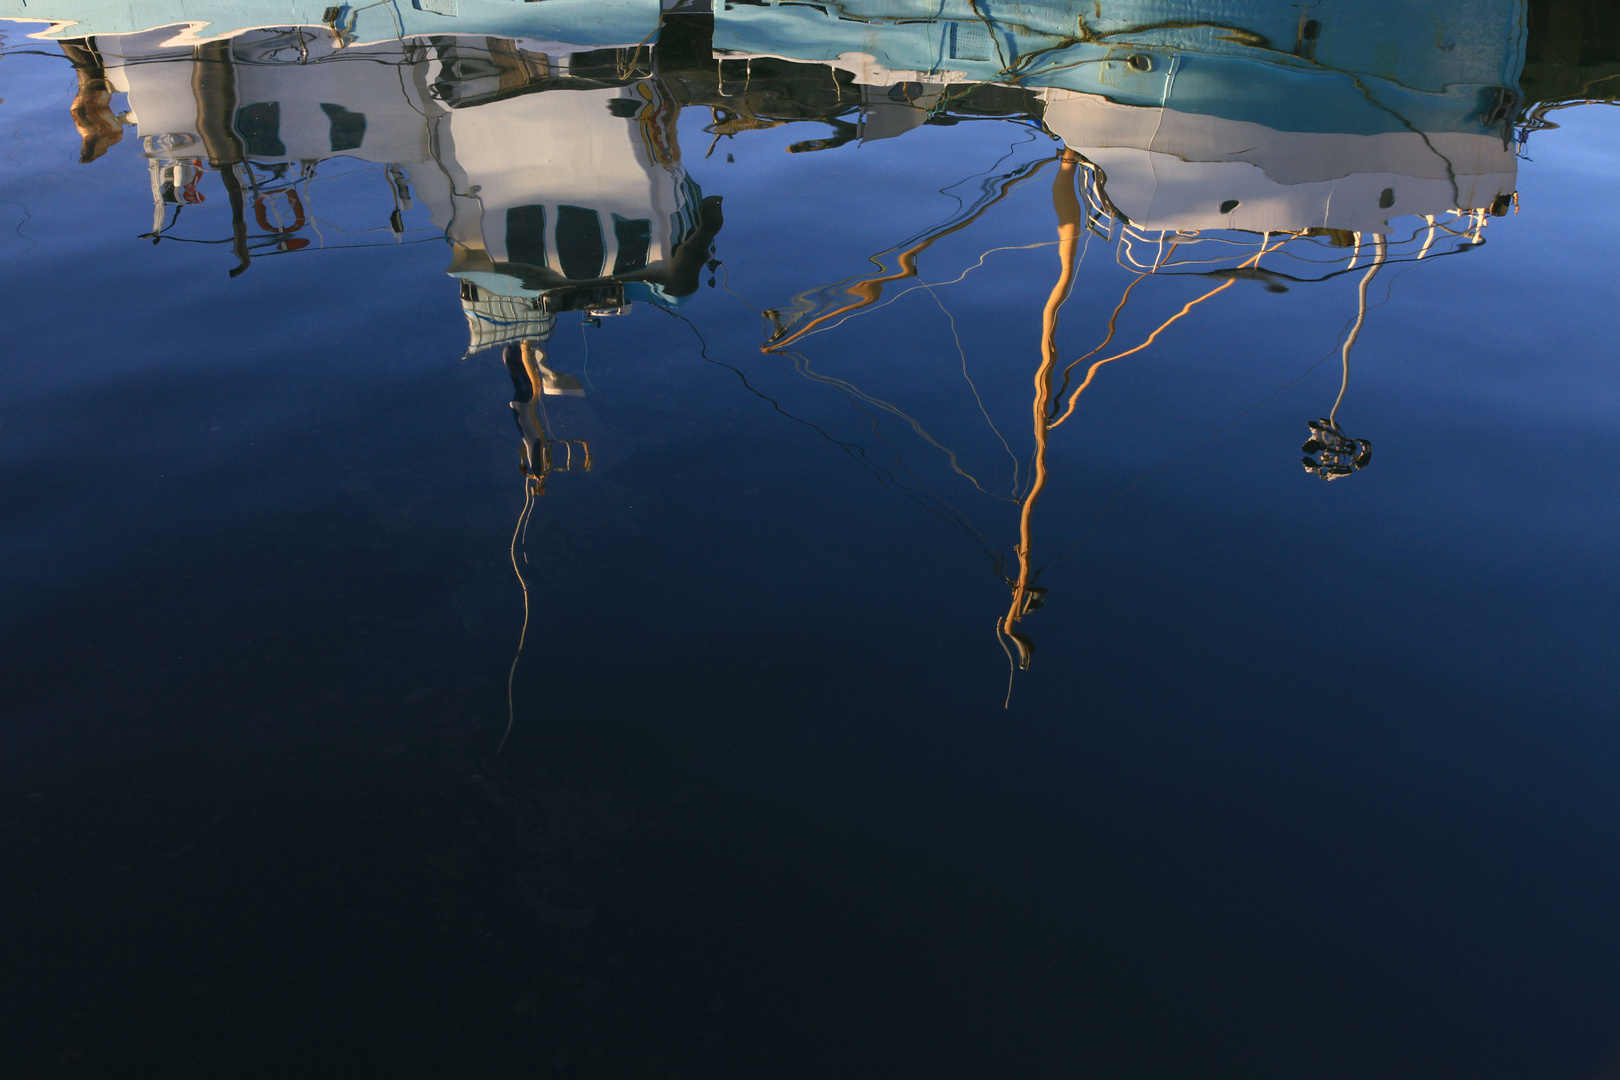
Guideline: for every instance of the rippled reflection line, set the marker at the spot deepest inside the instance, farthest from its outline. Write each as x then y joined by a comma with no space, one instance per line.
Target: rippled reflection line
28,215
1252,261
521,528
984,187
957,280
962,352
854,395
1361,318
925,499
1113,319
869,290
802,365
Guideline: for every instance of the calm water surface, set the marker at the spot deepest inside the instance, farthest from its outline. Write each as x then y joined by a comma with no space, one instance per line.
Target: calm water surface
825,676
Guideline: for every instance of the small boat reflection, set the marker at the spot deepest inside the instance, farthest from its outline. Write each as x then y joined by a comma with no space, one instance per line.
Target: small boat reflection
552,171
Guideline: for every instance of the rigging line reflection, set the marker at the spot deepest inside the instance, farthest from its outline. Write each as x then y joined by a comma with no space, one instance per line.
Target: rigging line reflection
1328,452
522,527
724,273
993,187
990,187
995,38
585,364
1096,522
962,352
989,172
801,364
870,290
1228,283
854,395
957,280
1113,319
1027,596
929,502
1361,318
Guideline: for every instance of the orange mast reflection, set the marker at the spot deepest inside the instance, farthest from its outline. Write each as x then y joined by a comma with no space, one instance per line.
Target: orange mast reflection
1066,201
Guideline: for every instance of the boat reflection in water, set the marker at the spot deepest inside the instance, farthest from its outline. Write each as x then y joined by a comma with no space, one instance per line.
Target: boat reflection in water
550,202
1251,142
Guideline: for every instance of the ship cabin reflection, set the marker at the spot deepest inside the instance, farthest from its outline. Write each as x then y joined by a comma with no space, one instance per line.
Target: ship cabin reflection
553,172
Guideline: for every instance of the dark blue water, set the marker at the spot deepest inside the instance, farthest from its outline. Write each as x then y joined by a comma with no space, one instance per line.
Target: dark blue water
1304,779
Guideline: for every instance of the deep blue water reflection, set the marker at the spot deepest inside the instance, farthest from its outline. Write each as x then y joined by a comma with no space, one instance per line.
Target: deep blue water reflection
1303,779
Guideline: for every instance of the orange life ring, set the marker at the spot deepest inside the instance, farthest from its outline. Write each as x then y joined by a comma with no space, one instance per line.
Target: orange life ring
261,211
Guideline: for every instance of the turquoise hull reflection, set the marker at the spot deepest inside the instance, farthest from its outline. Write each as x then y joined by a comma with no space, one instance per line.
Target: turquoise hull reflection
1388,67
1431,46
578,22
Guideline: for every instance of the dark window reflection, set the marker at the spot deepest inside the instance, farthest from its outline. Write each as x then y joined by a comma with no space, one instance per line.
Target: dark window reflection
580,247
348,128
526,235
260,128
635,240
